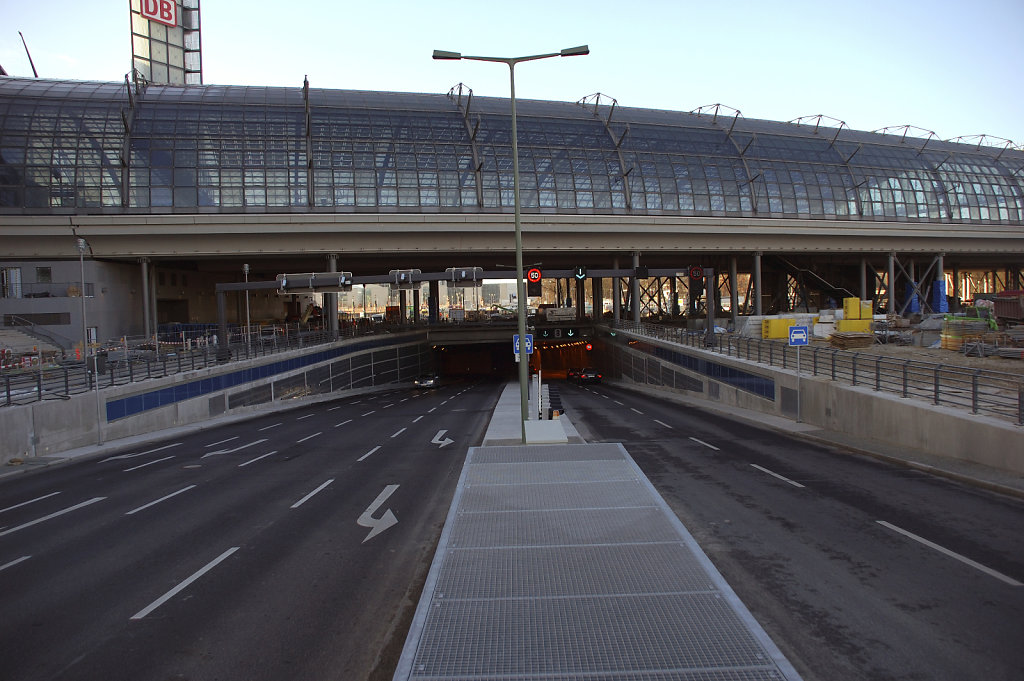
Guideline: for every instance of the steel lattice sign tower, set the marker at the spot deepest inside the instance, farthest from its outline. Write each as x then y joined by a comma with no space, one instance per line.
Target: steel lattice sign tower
166,47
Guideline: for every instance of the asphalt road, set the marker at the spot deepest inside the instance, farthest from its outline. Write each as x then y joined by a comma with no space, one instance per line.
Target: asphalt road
858,569
289,546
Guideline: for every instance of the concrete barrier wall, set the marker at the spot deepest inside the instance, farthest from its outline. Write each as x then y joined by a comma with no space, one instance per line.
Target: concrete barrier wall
53,426
910,424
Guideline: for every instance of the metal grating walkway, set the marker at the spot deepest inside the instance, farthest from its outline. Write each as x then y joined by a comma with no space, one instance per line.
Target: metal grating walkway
561,562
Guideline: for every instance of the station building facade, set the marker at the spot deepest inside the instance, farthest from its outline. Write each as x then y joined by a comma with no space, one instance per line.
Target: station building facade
189,182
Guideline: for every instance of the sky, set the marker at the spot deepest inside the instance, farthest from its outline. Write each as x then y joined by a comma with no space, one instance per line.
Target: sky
952,67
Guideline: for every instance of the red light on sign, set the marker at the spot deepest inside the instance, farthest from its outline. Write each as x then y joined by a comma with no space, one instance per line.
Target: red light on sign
534,275
161,11
590,346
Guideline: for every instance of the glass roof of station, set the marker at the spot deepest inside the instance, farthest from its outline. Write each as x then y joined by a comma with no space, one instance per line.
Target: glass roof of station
110,148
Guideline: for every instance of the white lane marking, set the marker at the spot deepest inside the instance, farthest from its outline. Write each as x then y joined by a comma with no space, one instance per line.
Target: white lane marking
308,437
14,562
404,399
309,496
438,441
269,427
662,423
154,503
364,456
132,456
398,433
431,410
776,475
368,413
230,451
952,554
604,396
342,423
263,456
338,407
636,410
30,501
214,444
178,589
386,520
617,402
52,515
305,417
444,403
388,405
701,442
143,465
417,418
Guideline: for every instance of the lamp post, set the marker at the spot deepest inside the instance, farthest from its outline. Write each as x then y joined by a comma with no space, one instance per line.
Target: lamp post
82,246
524,374
248,341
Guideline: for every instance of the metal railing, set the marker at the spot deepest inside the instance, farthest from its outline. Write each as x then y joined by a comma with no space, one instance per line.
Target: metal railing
131,360
982,391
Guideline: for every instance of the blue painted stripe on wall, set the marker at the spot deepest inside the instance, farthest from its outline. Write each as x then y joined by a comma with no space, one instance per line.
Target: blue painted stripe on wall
753,383
129,406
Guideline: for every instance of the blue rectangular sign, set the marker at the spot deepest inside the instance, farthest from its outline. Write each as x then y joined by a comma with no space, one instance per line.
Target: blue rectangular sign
529,344
798,335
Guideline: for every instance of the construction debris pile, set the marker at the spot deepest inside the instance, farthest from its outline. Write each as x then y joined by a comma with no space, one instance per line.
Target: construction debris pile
988,328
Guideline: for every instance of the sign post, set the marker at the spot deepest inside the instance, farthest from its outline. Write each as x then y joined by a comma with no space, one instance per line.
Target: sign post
798,336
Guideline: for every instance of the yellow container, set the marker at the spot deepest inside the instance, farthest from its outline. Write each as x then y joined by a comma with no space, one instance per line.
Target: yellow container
853,325
867,309
851,308
777,328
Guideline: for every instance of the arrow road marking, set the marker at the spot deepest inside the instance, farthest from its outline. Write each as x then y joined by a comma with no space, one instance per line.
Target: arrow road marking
438,441
229,451
385,521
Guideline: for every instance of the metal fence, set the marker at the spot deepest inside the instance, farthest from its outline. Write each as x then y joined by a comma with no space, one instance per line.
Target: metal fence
991,393
137,359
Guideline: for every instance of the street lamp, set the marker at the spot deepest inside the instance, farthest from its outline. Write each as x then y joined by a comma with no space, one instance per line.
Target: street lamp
82,246
248,341
524,376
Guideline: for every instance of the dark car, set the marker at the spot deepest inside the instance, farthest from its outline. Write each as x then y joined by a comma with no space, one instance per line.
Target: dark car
428,381
589,375
572,373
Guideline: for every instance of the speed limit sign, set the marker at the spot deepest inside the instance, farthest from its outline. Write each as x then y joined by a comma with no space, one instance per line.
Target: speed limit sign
696,272
534,275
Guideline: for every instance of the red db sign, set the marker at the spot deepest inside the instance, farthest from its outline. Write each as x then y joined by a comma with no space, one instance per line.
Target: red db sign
163,11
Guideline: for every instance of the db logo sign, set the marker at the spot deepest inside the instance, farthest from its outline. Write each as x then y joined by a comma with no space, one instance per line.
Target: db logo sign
163,11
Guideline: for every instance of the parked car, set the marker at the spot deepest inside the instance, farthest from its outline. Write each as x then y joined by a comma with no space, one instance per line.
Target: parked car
428,381
589,375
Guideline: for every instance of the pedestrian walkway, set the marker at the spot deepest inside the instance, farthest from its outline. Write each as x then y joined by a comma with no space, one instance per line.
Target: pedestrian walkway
561,561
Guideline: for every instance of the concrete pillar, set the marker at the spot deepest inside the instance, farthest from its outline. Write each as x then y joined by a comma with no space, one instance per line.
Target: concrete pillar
402,302
616,293
863,279
674,308
331,299
152,302
734,297
597,298
757,283
416,305
635,292
434,302
146,313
